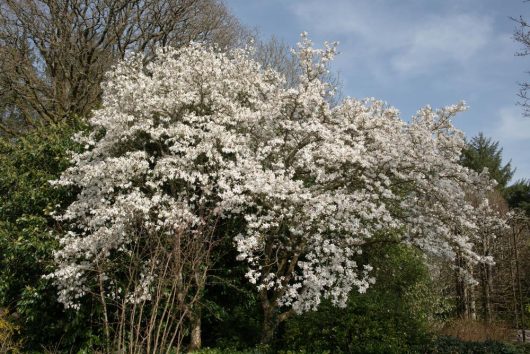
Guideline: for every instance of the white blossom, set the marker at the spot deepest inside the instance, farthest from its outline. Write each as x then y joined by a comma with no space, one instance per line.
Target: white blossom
198,128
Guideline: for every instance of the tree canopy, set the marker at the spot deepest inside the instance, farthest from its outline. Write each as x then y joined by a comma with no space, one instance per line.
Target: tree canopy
199,135
482,152
54,53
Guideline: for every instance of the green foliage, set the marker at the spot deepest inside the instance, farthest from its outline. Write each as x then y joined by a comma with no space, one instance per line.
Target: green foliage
392,317
482,152
26,243
389,318
231,314
518,195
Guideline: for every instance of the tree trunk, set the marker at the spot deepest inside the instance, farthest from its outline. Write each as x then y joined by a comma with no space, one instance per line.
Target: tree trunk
487,283
518,281
195,340
270,322
471,293
461,289
472,303
514,294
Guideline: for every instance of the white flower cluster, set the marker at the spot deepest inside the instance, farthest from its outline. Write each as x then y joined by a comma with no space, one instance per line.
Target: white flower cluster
312,183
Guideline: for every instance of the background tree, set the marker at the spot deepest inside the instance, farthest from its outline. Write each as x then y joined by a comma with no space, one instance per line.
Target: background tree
277,55
54,53
482,152
518,195
493,296
522,35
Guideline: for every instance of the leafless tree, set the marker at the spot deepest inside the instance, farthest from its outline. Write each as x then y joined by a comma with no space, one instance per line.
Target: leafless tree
522,35
276,54
519,237
54,53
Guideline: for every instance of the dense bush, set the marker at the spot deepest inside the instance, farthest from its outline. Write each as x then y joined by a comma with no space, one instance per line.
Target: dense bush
232,314
388,318
26,244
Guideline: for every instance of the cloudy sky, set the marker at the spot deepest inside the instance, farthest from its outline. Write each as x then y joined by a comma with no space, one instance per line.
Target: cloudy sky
411,53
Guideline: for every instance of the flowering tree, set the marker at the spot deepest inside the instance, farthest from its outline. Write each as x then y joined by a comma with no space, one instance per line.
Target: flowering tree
199,136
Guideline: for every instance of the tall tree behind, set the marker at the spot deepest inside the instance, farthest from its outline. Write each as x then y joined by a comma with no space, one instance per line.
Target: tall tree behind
54,53
278,55
518,195
503,284
483,152
522,35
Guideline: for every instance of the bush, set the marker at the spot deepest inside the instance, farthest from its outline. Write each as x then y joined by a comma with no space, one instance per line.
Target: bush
232,314
8,344
477,331
391,318
26,244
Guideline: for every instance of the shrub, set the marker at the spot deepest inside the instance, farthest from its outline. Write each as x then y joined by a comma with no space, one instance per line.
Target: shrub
26,245
477,331
8,344
388,319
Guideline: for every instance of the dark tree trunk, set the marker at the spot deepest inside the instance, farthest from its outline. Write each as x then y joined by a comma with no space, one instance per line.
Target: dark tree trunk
471,300
195,340
462,307
270,323
487,283
518,282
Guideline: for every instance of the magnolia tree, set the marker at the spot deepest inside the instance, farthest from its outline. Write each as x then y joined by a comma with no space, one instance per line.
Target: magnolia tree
198,136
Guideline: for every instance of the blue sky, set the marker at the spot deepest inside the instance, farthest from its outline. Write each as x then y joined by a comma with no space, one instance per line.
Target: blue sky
411,53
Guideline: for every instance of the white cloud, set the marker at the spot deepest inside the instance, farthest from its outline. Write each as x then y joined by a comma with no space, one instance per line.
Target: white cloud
513,125
442,40
513,133
407,39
